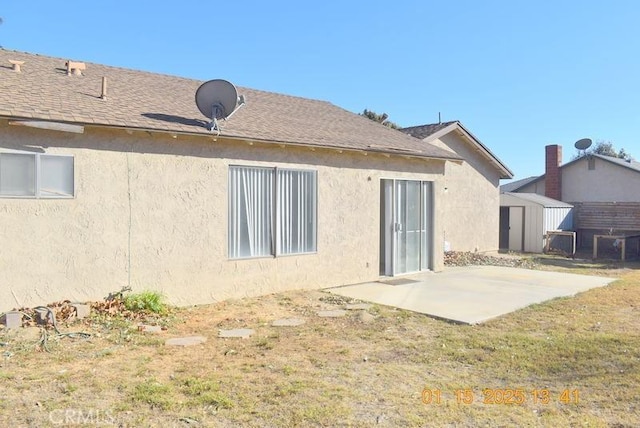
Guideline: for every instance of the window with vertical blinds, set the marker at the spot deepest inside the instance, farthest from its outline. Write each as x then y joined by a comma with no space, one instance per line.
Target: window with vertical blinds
296,211
272,211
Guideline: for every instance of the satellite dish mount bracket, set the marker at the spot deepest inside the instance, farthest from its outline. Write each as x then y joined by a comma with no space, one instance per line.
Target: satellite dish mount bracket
217,110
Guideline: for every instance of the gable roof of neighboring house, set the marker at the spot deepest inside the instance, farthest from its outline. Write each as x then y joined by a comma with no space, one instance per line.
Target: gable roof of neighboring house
540,200
157,102
517,185
631,164
433,131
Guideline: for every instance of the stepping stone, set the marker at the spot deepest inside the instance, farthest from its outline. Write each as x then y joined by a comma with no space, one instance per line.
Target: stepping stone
365,317
288,322
186,341
149,328
358,306
336,313
238,332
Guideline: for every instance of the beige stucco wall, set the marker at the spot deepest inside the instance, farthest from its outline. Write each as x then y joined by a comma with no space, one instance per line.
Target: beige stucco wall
151,210
470,199
608,182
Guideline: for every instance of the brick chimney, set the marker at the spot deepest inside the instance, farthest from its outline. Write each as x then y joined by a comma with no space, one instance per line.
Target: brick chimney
552,175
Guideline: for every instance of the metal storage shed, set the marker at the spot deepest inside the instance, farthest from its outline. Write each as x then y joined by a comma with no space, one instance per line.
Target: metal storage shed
525,218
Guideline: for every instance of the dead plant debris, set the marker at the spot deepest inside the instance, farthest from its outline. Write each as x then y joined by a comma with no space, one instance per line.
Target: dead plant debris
65,313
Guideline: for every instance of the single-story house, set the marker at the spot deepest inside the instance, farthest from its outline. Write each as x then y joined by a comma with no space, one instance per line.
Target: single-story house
525,219
604,190
110,177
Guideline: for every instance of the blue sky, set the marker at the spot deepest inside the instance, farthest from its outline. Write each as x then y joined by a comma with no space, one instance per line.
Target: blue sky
519,75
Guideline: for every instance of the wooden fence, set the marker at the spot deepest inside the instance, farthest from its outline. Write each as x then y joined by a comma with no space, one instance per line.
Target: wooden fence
605,216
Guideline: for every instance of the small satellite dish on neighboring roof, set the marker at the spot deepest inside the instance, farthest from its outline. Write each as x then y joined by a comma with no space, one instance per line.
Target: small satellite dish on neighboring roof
583,144
218,99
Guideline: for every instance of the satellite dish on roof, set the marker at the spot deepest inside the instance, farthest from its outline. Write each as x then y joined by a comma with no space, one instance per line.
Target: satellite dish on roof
218,99
583,144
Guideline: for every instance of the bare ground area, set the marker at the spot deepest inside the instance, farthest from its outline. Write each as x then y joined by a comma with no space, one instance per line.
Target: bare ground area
568,362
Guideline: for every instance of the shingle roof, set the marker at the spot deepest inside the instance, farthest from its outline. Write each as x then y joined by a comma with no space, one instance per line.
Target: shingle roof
137,99
517,185
432,131
631,164
424,131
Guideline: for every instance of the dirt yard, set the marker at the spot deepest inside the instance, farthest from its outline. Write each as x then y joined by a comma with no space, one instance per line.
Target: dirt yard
568,362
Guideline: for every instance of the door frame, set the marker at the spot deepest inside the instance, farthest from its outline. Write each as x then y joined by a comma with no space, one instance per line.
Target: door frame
390,226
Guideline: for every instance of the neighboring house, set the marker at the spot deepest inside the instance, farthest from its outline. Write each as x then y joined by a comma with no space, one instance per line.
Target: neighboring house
109,177
470,196
604,190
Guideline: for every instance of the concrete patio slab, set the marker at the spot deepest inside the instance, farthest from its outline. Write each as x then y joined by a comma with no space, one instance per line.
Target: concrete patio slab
473,294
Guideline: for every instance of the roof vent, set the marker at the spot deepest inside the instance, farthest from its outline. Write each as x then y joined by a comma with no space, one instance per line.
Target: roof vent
16,65
103,93
75,68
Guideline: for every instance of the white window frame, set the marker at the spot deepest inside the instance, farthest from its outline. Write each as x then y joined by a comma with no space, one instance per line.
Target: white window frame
279,208
38,193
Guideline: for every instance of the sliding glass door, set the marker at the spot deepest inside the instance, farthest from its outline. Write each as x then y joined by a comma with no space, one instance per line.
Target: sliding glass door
406,226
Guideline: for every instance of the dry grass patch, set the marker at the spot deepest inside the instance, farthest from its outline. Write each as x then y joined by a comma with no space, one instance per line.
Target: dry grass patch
339,371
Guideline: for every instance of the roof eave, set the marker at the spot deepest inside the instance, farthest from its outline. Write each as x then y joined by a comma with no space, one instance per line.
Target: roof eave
525,183
213,136
620,164
505,172
539,200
